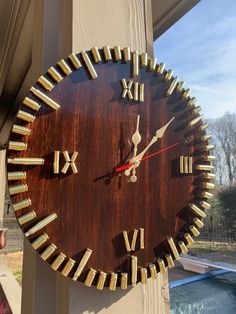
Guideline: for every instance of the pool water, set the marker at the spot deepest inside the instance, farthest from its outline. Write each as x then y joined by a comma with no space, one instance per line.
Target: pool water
215,295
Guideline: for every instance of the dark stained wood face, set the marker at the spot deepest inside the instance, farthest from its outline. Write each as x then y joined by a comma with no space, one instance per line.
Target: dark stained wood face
97,204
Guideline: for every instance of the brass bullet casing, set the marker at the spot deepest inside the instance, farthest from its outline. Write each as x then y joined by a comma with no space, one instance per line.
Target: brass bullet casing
55,74
203,127
180,86
134,239
101,280
96,55
64,67
168,75
68,267
197,210
144,59
127,54
19,146
205,205
153,271
75,61
194,231
48,251
82,263
141,238
170,261
124,281
21,204
172,86
90,277
198,222
209,158
186,93
188,238
136,91
45,83
47,100
204,167
134,268
207,185
181,164
162,266
41,224
56,161
196,110
18,189
135,63
107,53
117,53
40,241
22,130
208,175
160,68
183,247
195,121
27,217
173,247
113,281
23,115
89,65
141,92
143,275
32,104
58,261
205,138
26,161
191,102
153,64
126,239
206,194
127,88
17,175
207,148
69,162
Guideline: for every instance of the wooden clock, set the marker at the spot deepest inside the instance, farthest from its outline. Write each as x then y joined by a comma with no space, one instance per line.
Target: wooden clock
109,167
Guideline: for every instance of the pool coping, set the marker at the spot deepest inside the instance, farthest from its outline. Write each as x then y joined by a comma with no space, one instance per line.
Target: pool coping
11,288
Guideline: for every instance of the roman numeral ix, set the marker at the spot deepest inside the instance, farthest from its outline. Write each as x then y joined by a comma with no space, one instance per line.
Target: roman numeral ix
69,162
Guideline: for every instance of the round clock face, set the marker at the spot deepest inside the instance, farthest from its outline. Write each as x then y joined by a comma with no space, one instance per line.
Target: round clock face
110,167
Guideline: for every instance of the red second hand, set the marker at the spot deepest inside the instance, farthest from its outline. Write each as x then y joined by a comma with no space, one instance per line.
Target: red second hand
147,157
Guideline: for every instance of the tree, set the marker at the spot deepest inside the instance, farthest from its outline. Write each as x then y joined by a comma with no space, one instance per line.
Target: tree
227,198
224,135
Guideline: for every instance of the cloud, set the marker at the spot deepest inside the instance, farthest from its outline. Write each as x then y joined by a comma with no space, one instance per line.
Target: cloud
201,49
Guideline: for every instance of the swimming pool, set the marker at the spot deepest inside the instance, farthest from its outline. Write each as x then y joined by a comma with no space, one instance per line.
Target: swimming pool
205,294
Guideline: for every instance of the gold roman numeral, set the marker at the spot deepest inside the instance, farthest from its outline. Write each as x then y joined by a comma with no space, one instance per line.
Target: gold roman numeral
185,164
133,91
131,246
69,162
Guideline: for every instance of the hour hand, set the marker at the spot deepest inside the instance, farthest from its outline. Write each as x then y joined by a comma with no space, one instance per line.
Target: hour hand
136,137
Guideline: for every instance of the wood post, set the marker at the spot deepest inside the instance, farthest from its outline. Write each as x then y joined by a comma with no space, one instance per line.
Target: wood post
2,183
62,26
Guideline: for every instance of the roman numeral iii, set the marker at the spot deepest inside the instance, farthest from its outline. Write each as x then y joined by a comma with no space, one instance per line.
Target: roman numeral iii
185,164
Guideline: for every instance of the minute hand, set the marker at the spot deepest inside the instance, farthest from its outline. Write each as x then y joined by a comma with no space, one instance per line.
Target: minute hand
159,133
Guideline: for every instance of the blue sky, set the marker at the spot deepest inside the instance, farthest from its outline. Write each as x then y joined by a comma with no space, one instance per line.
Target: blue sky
201,49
